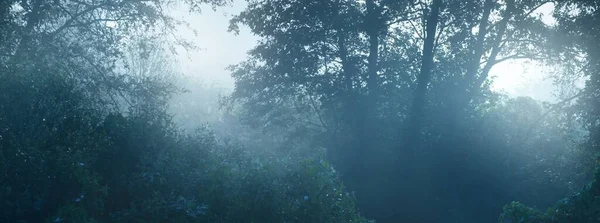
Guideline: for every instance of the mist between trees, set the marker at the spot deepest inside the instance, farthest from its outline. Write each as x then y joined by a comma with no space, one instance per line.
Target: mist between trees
344,111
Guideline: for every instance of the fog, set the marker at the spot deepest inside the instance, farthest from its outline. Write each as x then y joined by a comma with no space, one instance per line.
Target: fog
299,111
220,48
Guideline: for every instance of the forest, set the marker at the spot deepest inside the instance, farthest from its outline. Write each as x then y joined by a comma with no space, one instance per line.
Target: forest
343,111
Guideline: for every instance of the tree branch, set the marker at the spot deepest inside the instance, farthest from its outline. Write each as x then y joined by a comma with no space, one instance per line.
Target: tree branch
552,108
74,17
479,45
513,57
496,44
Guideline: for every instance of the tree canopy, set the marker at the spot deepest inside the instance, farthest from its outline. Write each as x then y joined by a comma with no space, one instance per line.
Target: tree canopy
343,109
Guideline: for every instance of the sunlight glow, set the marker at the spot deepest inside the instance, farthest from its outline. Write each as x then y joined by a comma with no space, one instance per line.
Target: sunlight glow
221,49
526,77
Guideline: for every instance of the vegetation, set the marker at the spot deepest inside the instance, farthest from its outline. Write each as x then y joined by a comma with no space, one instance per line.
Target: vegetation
86,136
378,107
577,25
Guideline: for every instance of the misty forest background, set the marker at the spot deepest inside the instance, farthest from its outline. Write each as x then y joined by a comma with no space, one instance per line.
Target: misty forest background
344,111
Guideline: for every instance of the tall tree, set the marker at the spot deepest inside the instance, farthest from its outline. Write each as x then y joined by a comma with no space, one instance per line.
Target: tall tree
414,123
355,71
61,73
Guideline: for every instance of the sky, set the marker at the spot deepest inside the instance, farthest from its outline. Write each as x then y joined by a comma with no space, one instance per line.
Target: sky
219,49
524,77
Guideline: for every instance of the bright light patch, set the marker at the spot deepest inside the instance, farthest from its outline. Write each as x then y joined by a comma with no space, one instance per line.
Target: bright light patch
507,77
523,78
111,24
526,77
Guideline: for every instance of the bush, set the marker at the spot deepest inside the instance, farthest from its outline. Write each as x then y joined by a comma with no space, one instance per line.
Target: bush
582,207
142,169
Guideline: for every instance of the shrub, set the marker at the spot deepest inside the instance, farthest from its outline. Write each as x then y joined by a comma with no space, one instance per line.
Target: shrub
582,207
142,169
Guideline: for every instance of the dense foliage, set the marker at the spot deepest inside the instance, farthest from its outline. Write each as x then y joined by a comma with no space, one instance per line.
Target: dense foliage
576,22
391,98
398,92
85,135
139,169
581,207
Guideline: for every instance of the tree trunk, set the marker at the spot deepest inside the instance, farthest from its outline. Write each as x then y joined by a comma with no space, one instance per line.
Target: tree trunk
24,46
479,48
414,170
412,134
368,102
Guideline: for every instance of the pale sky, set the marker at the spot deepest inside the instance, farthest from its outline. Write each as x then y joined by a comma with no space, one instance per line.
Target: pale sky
523,77
221,48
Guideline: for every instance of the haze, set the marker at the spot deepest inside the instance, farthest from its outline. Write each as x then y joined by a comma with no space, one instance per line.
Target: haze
341,111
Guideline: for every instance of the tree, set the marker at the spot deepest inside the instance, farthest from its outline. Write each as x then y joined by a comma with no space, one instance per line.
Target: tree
86,136
573,46
424,75
359,74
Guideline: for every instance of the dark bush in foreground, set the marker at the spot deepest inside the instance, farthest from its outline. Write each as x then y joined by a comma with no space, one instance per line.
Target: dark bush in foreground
141,169
583,207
